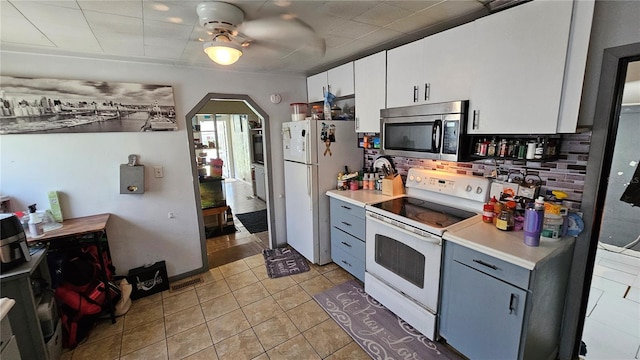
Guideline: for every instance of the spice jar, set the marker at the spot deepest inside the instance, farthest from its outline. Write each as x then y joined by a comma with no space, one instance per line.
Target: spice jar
487,213
497,209
505,220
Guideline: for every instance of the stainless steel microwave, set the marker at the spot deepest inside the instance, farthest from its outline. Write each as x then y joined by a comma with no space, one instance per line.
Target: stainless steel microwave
429,131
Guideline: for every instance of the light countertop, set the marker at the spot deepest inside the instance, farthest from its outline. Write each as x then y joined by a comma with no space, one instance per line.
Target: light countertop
5,305
360,197
505,245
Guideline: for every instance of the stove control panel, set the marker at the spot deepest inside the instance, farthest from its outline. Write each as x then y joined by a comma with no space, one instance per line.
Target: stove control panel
462,186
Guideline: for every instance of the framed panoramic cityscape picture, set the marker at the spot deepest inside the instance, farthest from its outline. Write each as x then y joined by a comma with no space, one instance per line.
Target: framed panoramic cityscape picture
37,106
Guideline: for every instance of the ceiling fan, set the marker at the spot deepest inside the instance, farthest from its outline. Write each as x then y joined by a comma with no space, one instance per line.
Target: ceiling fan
230,34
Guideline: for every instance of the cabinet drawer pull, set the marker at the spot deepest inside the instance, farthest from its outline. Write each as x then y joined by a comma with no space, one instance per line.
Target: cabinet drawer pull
346,263
427,91
346,244
346,223
345,207
415,94
491,266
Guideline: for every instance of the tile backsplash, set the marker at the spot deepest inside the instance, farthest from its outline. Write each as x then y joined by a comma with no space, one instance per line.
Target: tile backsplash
566,174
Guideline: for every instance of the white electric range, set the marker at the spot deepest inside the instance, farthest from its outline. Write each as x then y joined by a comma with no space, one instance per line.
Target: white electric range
404,241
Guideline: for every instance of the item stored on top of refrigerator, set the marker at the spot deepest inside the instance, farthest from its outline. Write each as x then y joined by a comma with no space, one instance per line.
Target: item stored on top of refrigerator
298,111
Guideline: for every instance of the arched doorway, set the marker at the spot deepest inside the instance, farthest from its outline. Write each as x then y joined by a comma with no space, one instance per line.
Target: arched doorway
246,102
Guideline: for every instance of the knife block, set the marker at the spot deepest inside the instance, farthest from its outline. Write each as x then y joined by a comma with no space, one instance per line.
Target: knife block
392,185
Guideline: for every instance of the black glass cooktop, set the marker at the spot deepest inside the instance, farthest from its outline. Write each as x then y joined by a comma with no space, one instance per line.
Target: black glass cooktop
425,212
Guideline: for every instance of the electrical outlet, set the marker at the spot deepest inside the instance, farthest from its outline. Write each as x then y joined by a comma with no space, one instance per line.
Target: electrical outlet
171,215
158,171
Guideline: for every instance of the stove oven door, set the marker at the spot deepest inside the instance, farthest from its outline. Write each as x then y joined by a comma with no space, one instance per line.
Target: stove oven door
404,261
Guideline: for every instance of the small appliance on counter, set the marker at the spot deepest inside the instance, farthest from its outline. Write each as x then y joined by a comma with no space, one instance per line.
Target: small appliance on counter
13,242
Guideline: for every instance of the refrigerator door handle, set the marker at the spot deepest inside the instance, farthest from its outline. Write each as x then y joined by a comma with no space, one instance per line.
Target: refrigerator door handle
309,172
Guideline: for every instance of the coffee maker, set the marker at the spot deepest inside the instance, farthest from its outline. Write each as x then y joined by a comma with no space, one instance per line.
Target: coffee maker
13,242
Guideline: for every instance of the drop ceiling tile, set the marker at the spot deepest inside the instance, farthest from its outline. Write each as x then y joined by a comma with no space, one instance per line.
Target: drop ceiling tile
353,29
128,30
157,32
382,14
118,7
412,23
72,4
177,12
15,28
346,9
65,27
379,37
335,41
448,10
415,6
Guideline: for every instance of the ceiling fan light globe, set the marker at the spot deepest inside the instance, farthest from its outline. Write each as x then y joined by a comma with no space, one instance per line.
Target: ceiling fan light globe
223,54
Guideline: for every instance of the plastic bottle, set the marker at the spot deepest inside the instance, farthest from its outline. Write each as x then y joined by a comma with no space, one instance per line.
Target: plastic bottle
531,150
533,219
539,151
35,223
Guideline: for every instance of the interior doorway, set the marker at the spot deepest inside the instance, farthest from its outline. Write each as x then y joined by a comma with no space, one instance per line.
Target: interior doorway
223,125
613,312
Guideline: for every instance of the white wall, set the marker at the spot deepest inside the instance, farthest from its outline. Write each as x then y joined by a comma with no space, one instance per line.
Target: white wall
85,167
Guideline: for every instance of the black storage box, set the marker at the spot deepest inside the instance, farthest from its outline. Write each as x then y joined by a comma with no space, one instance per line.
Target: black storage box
148,280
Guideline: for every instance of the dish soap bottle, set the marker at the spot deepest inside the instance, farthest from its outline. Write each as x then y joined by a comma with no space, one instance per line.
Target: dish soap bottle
35,223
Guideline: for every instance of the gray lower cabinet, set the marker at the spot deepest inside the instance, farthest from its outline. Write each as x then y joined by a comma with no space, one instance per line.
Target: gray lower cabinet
492,309
348,236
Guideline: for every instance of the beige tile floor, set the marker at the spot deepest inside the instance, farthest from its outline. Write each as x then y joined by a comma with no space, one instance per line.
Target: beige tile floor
236,312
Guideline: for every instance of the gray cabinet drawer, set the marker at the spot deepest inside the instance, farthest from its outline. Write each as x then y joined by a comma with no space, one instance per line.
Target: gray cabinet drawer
354,266
348,218
347,243
340,208
490,265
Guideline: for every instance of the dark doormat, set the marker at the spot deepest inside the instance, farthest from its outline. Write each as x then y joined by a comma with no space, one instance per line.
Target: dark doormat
214,231
255,221
378,331
283,262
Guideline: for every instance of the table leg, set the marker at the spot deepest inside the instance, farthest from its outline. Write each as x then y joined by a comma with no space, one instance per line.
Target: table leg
97,237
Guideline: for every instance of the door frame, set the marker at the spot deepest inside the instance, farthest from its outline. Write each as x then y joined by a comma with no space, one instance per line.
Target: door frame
604,130
267,161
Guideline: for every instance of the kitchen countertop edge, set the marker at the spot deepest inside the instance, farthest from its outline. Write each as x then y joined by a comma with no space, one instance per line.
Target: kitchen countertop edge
507,246
360,198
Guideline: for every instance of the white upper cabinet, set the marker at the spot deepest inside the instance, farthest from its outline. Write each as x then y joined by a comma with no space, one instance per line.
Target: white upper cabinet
518,67
404,74
316,85
338,81
447,67
370,78
431,70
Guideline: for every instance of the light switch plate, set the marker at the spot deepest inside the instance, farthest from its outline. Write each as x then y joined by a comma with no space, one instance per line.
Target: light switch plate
158,171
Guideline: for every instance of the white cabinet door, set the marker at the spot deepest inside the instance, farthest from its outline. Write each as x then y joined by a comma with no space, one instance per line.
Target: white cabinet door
340,80
370,75
404,74
316,85
447,65
518,69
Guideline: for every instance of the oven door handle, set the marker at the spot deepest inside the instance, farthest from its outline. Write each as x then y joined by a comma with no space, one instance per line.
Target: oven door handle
426,237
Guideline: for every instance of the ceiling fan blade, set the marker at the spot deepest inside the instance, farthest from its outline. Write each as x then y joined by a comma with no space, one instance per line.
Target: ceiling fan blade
291,33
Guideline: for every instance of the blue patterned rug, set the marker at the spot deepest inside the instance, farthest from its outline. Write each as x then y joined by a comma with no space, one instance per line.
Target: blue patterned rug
377,330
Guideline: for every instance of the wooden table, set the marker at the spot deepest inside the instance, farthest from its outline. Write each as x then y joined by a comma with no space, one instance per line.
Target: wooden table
220,211
94,229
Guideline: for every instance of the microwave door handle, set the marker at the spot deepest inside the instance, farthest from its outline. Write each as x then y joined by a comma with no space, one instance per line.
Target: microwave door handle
435,135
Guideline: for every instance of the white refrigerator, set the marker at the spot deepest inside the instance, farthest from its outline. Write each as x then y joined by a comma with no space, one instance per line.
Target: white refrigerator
315,151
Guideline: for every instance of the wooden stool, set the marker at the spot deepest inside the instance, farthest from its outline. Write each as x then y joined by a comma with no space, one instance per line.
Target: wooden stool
220,211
